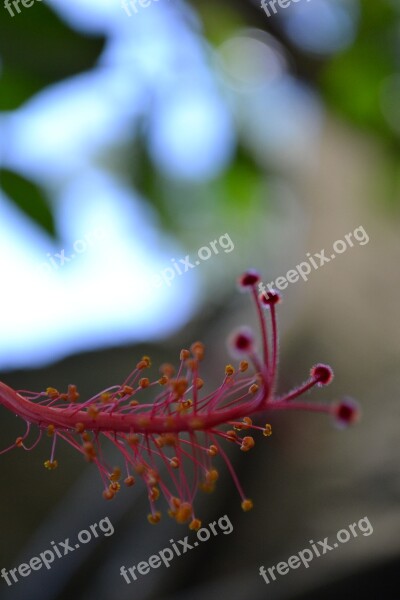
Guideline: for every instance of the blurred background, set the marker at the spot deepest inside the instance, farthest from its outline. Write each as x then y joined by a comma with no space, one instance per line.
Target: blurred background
130,140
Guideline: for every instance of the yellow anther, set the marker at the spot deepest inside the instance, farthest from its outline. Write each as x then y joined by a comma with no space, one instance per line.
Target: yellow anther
50,430
52,392
169,439
145,363
127,390
133,439
267,431
247,505
51,465
244,365
184,355
108,494
140,468
153,477
212,476
175,462
105,398
73,395
208,488
247,422
93,411
185,404
212,450
89,451
179,386
198,383
175,502
195,524
116,474
229,370
154,494
184,512
167,369
197,349
247,443
154,518
253,388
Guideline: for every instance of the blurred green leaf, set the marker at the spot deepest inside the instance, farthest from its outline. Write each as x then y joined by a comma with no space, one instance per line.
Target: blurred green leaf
220,20
242,187
29,198
38,49
234,195
352,80
353,85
